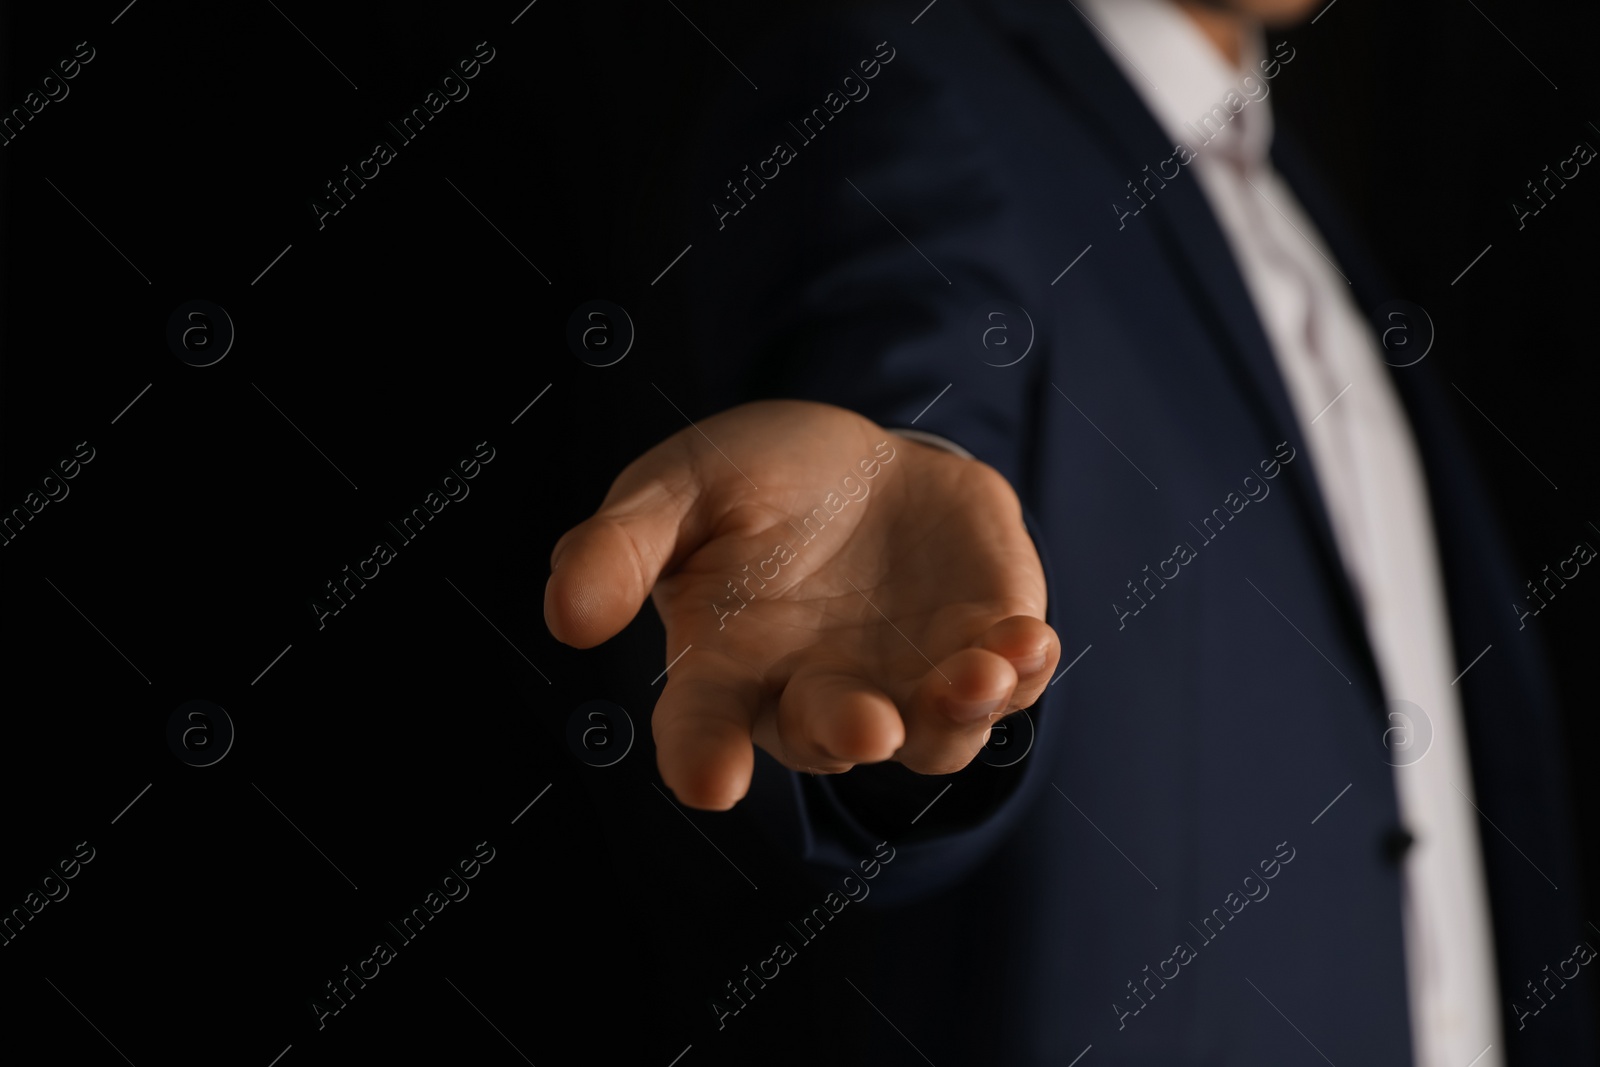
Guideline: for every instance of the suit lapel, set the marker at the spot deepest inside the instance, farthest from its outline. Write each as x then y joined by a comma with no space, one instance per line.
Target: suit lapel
1065,49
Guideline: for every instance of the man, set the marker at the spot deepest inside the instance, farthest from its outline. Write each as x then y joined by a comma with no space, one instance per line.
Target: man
1177,505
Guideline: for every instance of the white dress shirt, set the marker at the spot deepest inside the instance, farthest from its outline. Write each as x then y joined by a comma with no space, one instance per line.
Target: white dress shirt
1373,487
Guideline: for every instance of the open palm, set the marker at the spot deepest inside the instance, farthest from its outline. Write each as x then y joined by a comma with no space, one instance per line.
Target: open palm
831,592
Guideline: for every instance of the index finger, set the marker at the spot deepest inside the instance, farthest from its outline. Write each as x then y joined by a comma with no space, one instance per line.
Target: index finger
703,726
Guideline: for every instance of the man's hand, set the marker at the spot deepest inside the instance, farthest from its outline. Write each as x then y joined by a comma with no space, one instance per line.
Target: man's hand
850,596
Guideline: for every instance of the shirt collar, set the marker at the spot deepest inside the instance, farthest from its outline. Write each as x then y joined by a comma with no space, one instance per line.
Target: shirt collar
1183,80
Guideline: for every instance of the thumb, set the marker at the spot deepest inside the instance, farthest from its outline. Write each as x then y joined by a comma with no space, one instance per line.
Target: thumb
602,570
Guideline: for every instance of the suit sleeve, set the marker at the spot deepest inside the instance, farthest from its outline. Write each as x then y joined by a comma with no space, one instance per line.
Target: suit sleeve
865,273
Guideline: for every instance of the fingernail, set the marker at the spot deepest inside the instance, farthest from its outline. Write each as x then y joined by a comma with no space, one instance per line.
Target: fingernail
974,710
1030,664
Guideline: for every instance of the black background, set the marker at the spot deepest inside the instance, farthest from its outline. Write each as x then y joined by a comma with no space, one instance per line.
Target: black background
419,720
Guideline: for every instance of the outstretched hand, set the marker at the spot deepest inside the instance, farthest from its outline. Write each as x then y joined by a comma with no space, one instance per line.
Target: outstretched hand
846,596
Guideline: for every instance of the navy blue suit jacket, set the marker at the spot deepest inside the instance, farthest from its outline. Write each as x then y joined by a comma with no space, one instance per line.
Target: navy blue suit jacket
1209,719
